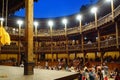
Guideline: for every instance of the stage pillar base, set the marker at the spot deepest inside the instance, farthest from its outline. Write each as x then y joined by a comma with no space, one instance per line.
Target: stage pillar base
29,68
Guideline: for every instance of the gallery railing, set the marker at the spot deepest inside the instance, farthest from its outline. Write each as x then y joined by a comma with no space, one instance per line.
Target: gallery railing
74,47
90,46
93,46
108,43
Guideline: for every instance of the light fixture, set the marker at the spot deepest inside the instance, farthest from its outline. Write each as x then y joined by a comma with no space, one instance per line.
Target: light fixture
64,21
79,17
20,22
35,23
1,19
50,23
94,9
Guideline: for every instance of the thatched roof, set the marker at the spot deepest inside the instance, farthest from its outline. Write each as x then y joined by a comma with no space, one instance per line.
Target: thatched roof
13,5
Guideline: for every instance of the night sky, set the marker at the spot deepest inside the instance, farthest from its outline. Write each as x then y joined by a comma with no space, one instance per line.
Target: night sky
56,8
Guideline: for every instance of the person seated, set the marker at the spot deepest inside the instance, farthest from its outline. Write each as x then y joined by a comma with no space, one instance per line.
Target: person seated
89,42
117,77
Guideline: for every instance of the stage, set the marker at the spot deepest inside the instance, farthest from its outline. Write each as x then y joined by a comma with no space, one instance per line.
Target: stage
17,73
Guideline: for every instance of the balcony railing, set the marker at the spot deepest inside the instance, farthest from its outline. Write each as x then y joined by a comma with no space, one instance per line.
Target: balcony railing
74,48
90,46
108,43
59,48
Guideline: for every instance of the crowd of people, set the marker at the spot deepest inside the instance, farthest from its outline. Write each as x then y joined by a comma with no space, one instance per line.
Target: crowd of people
86,71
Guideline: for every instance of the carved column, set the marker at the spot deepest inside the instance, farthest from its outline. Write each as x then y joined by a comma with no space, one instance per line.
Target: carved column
29,64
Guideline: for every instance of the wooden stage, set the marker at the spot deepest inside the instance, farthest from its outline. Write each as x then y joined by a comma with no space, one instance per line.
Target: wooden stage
17,73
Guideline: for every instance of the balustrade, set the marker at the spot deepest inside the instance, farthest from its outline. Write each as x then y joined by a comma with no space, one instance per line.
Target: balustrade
59,48
117,11
103,44
74,47
9,48
108,43
90,46
44,49
105,19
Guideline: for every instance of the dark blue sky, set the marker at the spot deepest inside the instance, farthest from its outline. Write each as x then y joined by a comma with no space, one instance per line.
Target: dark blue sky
55,8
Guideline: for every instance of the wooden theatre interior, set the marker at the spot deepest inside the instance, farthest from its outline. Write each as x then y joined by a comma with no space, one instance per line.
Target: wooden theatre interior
94,41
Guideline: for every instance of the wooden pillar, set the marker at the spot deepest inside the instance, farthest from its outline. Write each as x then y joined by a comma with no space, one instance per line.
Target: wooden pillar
51,44
84,56
75,55
52,50
29,64
67,50
117,32
98,32
119,53
37,57
66,44
102,54
56,56
95,55
82,42
19,42
0,51
36,45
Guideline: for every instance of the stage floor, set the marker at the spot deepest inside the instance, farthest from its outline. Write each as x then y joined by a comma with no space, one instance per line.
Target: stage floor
17,73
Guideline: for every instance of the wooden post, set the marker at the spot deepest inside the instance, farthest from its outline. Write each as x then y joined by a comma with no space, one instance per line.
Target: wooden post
117,32
84,56
51,44
96,24
18,57
75,55
0,51
66,44
102,54
98,32
29,63
56,56
82,42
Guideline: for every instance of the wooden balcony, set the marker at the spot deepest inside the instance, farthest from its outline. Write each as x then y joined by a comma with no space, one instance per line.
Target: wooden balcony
46,33
93,47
